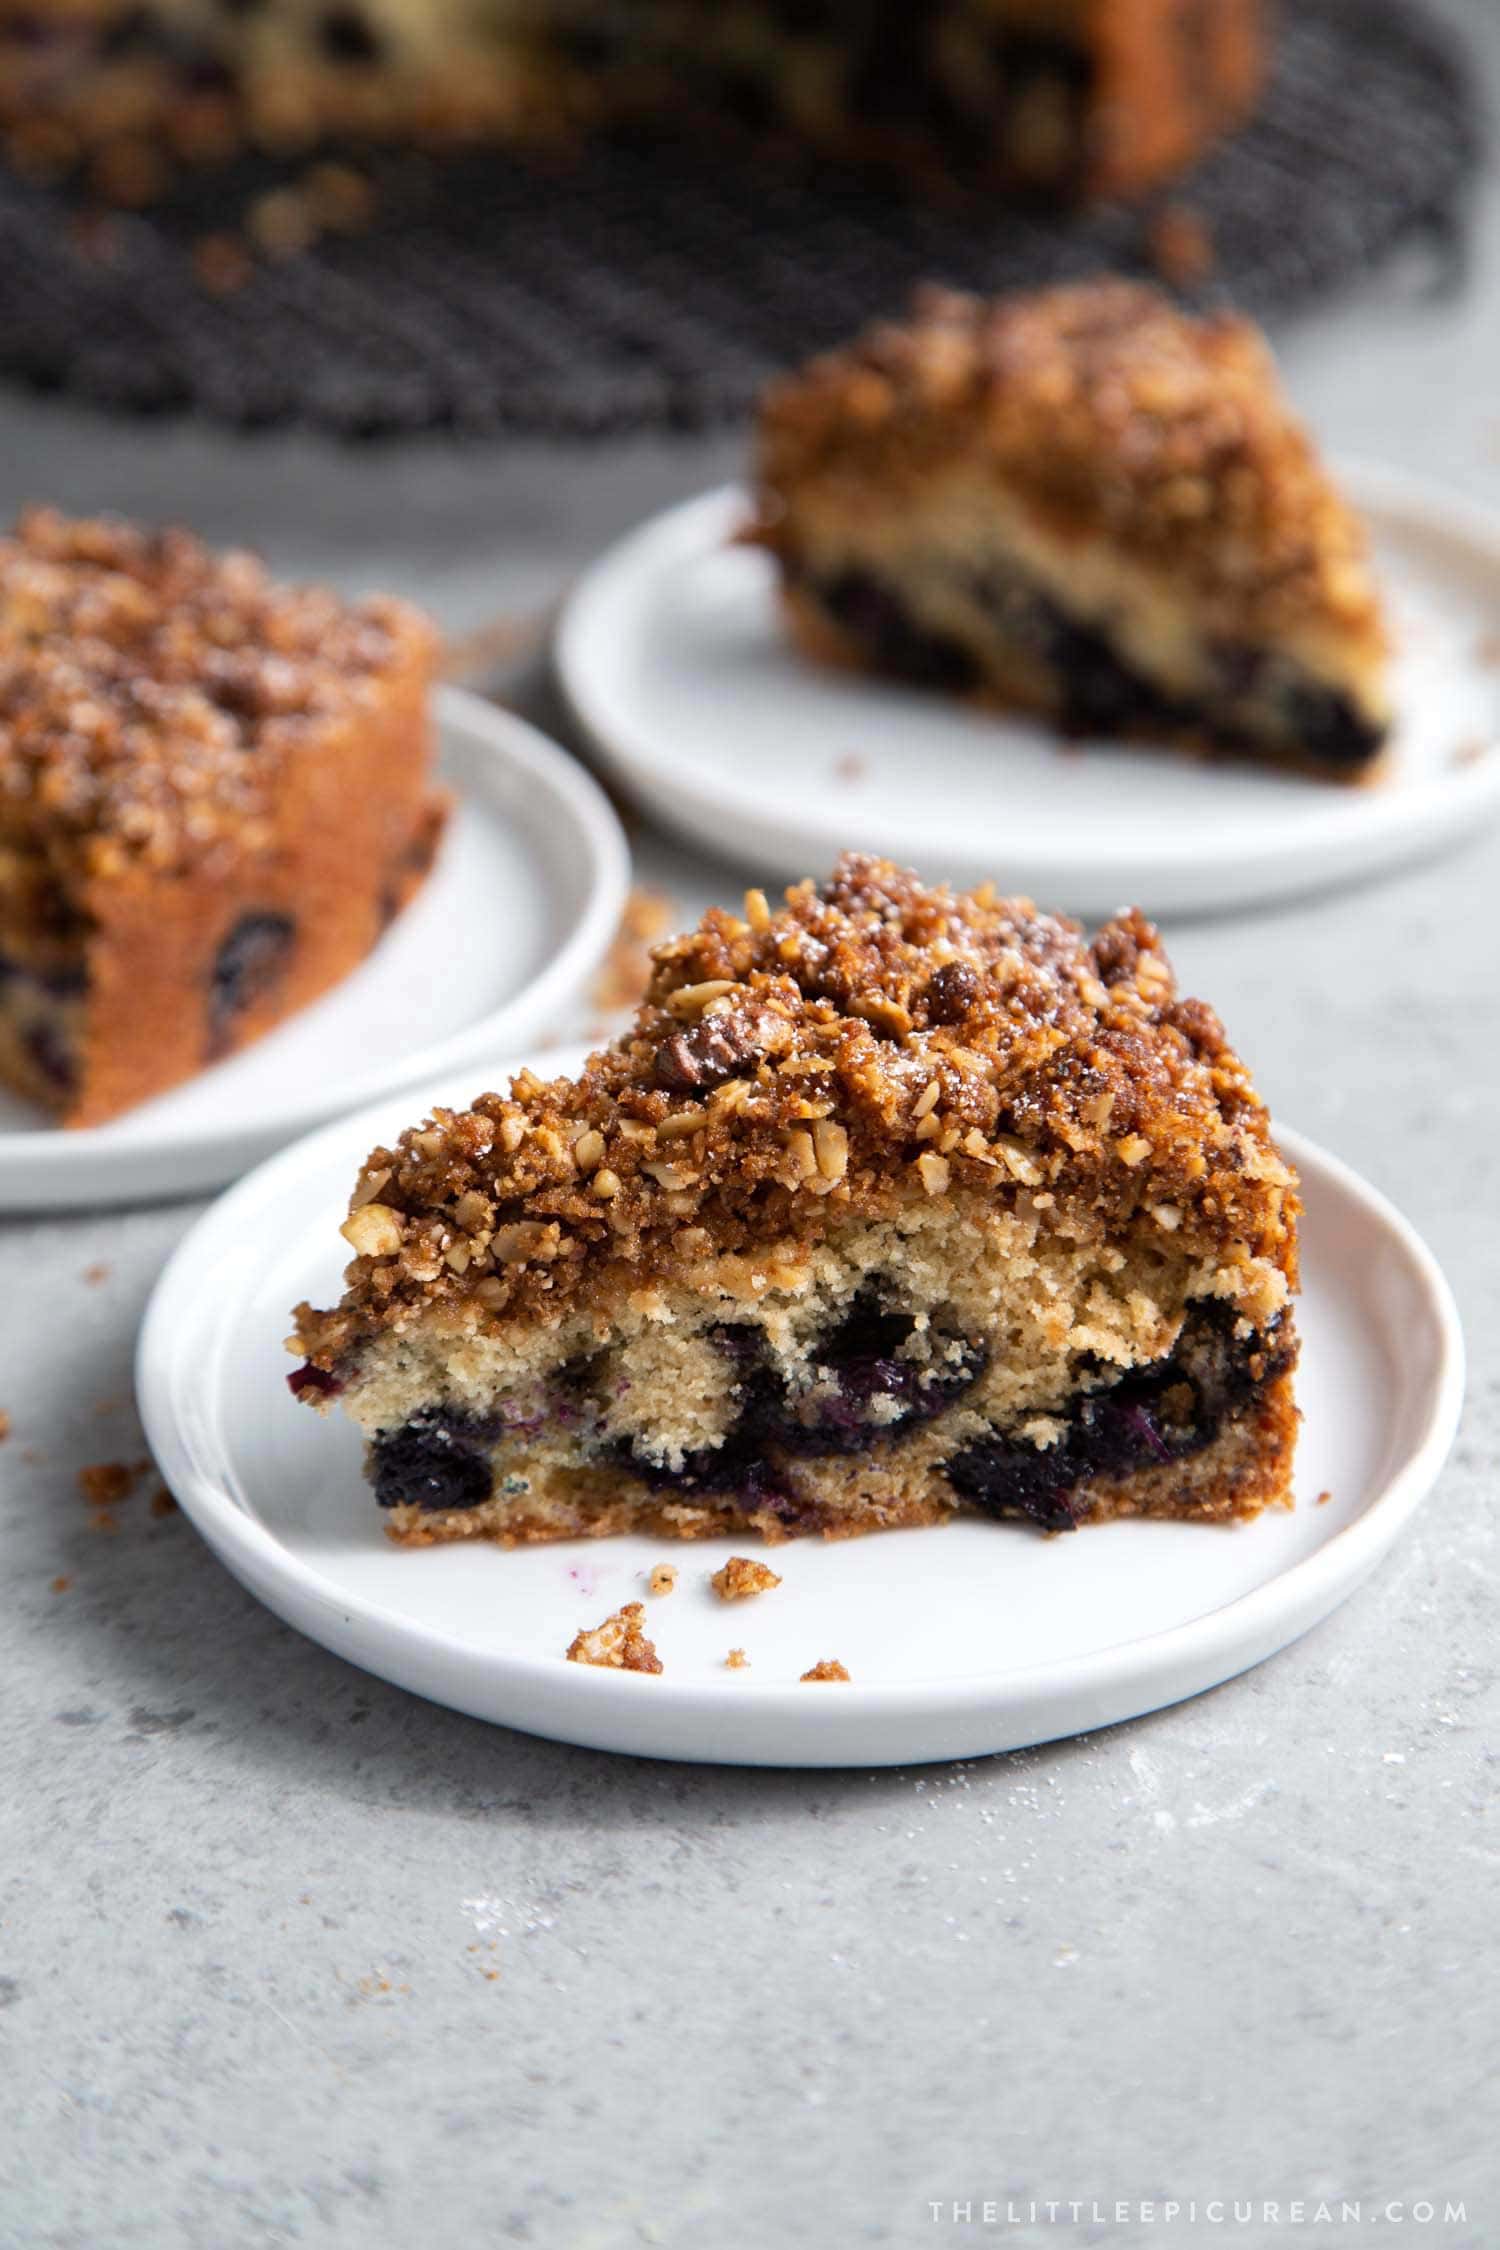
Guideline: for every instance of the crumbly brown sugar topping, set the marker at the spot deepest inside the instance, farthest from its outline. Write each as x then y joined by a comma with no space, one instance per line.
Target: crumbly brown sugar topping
871,1043
149,688
1108,409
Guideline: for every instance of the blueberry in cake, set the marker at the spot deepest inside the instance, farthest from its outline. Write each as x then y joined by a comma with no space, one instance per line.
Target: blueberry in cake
1070,96
1079,502
891,1203
214,795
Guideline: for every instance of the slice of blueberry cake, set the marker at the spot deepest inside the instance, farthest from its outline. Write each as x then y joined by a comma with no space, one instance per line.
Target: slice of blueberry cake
1085,504
215,792
892,1202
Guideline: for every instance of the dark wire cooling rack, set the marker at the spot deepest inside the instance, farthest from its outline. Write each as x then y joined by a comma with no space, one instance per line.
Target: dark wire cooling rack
650,287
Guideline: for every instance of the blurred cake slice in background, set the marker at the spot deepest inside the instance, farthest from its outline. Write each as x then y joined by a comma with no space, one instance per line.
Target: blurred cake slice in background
1085,504
215,793
1079,97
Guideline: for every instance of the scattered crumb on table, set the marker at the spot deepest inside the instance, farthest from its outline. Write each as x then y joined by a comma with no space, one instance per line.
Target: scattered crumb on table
740,1578
1324,1498
4,1425
851,767
737,1661
618,1644
96,1273
663,1578
61,1583
103,1483
162,1503
498,644
827,1668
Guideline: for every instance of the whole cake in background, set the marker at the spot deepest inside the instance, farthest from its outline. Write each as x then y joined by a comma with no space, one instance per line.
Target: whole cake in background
1082,503
1092,97
214,795
891,1203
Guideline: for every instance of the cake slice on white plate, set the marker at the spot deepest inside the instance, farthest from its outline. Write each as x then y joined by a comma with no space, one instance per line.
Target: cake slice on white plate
1084,504
891,1203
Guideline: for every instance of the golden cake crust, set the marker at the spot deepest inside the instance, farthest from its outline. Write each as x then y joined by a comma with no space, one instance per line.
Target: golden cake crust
872,1043
1109,413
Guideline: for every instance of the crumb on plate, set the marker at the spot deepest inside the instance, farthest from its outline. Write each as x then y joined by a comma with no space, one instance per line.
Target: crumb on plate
740,1578
618,1644
827,1668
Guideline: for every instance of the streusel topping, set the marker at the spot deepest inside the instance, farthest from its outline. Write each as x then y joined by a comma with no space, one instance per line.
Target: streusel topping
1110,412
150,689
872,1043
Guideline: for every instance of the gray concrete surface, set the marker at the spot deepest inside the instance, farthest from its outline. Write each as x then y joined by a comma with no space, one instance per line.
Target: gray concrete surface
287,1956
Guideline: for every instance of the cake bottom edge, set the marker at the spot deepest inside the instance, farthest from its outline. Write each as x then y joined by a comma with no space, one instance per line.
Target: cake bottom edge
1120,704
1245,1469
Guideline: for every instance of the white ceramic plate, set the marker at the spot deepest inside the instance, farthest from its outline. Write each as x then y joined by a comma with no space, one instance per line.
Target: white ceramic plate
671,655
522,902
969,1638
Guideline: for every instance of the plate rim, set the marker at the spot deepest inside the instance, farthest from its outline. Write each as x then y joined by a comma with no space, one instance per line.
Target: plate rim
1305,1591
47,1167
1369,816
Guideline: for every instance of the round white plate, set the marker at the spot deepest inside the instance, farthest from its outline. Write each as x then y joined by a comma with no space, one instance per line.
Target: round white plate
963,1639
521,904
672,656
